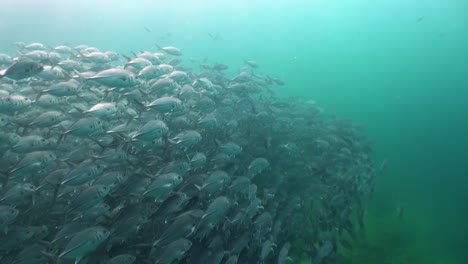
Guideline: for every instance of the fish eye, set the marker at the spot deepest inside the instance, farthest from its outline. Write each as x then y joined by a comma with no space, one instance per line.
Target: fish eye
99,122
90,126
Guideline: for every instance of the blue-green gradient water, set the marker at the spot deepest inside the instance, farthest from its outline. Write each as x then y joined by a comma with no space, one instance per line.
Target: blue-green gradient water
399,68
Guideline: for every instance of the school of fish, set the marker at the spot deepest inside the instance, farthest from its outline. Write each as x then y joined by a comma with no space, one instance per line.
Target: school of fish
106,158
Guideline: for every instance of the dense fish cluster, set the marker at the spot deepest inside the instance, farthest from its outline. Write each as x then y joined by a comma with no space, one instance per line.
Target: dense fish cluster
112,159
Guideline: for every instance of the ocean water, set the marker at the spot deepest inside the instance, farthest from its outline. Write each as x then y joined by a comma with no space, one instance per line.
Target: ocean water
398,68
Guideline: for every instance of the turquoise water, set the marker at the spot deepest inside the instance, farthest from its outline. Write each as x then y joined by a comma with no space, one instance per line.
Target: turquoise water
397,67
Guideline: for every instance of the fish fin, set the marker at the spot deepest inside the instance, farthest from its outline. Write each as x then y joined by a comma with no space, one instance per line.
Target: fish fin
82,111
199,188
80,75
69,163
5,181
172,141
160,171
81,54
207,214
78,259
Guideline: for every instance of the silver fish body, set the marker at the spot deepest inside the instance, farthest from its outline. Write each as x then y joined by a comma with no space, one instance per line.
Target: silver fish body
22,70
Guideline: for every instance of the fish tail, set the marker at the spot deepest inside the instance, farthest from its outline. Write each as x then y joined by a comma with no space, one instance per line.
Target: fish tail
159,47
82,111
81,54
55,195
60,139
39,95
80,75
172,141
126,57
52,257
6,176
199,188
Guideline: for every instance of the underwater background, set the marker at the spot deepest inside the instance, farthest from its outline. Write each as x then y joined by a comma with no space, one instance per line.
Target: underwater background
398,68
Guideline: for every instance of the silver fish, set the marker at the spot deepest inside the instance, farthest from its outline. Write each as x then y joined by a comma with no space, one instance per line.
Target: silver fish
163,184
31,143
48,119
85,242
186,139
257,166
174,251
8,215
150,131
166,105
170,50
122,259
103,110
115,78
22,70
